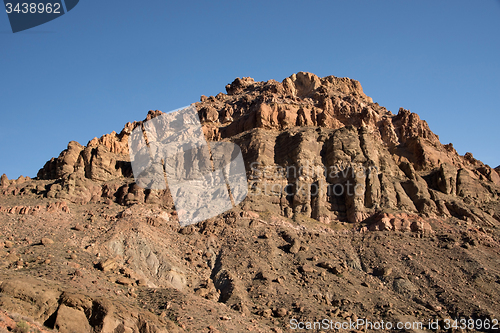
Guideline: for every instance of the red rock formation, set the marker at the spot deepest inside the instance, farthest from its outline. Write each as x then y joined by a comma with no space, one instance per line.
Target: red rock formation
33,210
4,181
325,123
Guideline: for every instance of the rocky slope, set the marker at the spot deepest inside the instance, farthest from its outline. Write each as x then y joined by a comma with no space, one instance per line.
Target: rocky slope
353,212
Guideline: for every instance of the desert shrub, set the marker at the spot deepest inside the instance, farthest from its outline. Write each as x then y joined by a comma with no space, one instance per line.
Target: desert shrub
22,327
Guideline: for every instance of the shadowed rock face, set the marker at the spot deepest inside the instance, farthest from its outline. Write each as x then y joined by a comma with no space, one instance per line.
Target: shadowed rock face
395,162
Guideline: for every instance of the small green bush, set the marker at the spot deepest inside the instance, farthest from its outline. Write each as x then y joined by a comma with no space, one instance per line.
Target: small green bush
22,327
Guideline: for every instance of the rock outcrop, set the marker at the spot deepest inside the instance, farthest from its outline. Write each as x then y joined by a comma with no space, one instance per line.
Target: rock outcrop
34,210
345,158
394,162
69,311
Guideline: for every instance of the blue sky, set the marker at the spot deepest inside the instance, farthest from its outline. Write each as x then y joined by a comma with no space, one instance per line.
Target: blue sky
105,63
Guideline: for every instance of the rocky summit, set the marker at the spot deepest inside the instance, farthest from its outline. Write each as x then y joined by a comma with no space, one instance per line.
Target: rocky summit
353,215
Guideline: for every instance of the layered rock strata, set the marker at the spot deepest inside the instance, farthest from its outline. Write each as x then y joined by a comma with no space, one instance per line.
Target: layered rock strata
313,147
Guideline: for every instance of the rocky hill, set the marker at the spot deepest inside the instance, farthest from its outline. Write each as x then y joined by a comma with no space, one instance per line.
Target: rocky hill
353,213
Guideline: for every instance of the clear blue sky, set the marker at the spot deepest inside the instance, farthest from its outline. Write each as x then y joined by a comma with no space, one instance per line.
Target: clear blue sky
105,63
